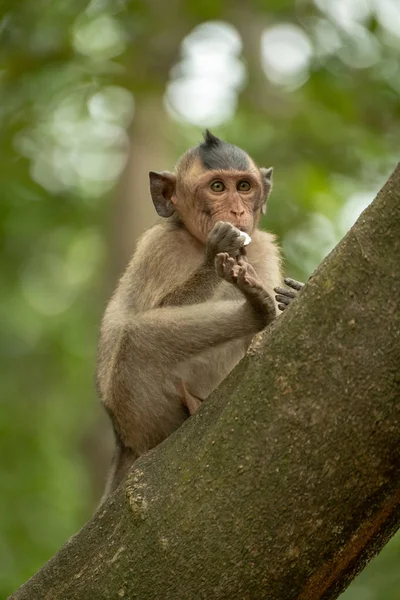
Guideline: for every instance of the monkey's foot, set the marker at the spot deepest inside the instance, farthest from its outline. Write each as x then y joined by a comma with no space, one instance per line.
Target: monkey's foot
284,296
191,402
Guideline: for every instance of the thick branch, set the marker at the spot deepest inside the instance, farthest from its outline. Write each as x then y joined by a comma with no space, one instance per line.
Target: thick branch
286,482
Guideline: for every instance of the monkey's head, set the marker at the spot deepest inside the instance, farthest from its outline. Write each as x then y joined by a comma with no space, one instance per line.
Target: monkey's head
212,182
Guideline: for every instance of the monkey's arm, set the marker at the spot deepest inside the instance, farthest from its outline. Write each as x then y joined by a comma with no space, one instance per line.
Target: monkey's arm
198,288
203,282
177,333
284,296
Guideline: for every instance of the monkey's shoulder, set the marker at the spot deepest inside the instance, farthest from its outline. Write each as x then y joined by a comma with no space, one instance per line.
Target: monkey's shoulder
165,241
163,260
263,240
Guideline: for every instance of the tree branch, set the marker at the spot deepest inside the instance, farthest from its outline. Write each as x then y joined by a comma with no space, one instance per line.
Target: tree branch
286,482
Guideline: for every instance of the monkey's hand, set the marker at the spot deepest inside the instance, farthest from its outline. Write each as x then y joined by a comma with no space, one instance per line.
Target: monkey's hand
244,276
224,237
283,296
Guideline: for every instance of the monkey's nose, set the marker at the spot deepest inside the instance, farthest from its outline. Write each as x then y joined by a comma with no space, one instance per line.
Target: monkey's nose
238,212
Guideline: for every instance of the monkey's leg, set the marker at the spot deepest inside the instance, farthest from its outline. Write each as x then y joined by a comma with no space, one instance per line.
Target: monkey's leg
143,399
191,402
142,395
285,296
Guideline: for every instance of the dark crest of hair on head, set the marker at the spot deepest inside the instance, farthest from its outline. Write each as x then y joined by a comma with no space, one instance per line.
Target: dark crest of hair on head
215,154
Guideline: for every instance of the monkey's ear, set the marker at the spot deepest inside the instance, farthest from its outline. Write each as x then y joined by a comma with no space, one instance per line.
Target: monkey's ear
267,180
162,187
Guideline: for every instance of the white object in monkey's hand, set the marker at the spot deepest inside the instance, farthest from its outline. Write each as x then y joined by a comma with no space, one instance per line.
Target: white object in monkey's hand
247,238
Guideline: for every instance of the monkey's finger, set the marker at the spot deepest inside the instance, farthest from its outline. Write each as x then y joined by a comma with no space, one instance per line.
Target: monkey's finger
235,271
244,278
240,275
283,299
222,256
296,285
251,281
220,261
229,266
285,292
282,306
251,270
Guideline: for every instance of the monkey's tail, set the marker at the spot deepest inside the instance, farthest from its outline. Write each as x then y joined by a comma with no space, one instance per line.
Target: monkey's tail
122,461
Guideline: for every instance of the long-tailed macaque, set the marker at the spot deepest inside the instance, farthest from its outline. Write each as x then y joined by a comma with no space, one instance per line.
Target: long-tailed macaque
192,298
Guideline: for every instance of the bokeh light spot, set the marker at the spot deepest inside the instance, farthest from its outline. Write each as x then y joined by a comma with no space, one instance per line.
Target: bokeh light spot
286,52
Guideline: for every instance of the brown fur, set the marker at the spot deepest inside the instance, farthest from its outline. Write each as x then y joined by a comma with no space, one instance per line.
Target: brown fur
176,324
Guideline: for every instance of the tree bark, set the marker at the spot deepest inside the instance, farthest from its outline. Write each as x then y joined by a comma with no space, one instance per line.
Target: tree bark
286,482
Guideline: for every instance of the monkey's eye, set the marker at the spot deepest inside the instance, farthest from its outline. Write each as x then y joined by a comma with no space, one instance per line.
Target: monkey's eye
243,186
217,186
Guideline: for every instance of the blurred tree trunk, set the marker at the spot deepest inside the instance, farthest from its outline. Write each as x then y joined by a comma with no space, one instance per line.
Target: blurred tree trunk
133,208
259,97
286,482
149,63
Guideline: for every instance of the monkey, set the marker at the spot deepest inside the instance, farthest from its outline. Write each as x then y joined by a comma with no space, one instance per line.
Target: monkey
191,299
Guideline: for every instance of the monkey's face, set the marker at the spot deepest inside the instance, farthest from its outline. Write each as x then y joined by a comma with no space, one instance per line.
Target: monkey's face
213,182
233,196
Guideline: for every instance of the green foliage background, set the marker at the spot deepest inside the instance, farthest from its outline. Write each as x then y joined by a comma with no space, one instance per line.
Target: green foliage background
332,137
